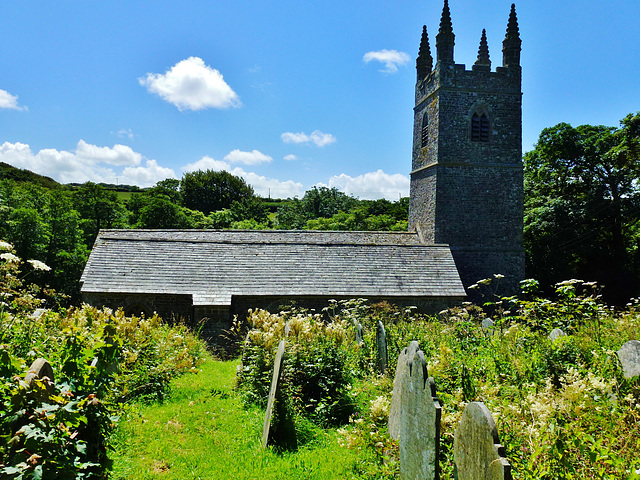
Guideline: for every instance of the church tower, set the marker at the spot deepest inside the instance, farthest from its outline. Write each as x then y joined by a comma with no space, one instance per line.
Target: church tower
466,175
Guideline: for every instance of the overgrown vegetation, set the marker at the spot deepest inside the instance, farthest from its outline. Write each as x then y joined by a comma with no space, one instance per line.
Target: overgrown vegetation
100,360
563,408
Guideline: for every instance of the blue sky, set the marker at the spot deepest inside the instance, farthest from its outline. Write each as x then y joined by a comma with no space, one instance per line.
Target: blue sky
286,94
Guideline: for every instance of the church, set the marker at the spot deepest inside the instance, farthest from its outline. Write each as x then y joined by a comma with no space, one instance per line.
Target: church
465,219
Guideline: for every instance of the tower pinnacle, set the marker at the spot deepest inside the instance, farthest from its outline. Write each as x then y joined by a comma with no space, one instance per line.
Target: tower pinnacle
512,45
445,38
424,62
483,51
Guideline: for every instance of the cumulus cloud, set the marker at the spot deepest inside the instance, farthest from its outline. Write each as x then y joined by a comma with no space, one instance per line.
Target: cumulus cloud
391,59
150,174
88,163
191,85
263,186
316,137
290,158
254,157
9,101
372,185
118,155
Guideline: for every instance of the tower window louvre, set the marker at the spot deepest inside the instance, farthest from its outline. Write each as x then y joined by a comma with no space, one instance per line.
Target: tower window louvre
424,132
480,127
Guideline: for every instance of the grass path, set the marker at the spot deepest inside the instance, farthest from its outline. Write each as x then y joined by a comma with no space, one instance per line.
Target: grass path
203,432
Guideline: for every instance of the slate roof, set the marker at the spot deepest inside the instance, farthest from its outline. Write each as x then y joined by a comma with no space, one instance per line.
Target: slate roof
214,265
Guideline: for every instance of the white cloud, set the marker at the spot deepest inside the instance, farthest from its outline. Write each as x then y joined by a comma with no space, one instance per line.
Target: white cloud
87,163
254,157
192,85
390,58
118,155
150,174
316,137
372,185
125,132
10,101
290,158
263,186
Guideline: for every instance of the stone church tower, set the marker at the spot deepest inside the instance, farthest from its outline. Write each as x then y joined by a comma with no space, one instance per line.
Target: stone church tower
466,175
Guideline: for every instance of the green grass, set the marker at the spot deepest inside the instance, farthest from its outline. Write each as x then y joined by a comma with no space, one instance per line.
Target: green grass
203,431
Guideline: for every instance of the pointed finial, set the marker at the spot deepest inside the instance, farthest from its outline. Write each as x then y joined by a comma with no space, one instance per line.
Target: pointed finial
424,62
483,51
445,38
512,45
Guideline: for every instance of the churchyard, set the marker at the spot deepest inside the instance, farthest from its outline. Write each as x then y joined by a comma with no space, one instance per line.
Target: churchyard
534,388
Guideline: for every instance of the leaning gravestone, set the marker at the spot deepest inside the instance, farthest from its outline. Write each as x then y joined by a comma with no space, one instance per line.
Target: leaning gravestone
396,397
556,333
381,343
41,369
629,355
477,452
272,393
419,423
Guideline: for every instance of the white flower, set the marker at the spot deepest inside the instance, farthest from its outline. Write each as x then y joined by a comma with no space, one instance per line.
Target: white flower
5,246
9,257
498,276
38,265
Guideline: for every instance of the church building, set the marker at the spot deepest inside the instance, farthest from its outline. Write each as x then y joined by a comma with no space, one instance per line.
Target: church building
465,219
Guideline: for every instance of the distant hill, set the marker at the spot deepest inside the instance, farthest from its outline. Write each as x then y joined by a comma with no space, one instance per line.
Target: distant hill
20,175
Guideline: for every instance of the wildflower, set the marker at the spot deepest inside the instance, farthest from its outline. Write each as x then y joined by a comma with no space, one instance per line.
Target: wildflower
498,276
38,265
5,246
9,257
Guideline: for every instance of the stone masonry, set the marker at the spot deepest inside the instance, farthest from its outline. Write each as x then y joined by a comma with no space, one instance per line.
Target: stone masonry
466,178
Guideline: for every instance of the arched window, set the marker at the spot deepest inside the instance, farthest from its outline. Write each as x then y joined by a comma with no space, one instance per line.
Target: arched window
424,131
480,127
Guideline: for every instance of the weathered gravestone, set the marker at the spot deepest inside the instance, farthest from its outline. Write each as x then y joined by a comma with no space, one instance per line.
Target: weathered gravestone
488,326
359,335
272,393
629,355
396,397
279,428
556,333
381,343
41,369
419,423
477,452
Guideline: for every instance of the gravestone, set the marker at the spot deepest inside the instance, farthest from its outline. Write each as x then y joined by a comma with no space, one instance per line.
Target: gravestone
41,369
556,333
275,380
381,343
359,335
419,423
396,397
476,446
629,355
488,327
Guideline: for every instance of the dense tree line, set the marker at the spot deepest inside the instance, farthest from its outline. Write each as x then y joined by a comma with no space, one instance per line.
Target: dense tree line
582,206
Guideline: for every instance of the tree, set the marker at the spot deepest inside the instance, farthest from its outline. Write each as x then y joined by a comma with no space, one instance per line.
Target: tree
209,191
581,203
98,208
326,202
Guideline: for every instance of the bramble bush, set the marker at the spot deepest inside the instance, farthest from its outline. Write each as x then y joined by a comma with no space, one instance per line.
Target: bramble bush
100,359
